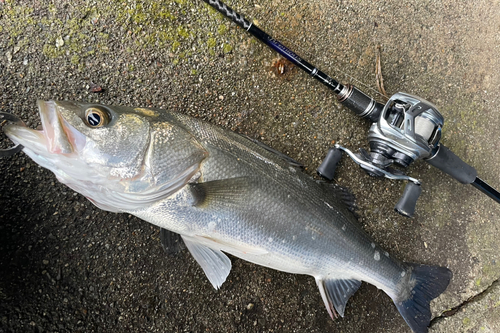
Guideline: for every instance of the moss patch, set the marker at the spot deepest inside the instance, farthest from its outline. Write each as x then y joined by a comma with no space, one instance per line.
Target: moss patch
86,29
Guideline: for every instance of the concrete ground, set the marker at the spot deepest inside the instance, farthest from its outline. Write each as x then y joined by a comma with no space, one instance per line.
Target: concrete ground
66,266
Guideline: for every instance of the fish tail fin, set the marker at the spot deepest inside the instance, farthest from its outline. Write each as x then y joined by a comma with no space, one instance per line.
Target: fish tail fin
426,283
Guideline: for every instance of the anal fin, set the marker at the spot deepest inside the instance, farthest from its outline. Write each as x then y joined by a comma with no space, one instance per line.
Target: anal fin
214,263
336,293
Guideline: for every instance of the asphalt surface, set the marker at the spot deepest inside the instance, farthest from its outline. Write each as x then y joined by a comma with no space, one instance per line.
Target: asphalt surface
67,266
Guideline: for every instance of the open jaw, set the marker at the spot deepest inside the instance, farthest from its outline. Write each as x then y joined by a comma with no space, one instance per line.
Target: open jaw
62,138
55,137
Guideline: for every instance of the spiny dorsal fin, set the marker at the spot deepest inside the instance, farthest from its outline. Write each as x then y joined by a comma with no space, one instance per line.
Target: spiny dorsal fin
336,293
284,157
341,193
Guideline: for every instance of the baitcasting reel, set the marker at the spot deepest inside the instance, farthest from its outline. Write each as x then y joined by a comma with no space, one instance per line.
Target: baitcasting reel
408,129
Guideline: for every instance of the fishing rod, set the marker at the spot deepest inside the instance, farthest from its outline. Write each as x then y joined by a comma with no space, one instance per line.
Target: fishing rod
407,128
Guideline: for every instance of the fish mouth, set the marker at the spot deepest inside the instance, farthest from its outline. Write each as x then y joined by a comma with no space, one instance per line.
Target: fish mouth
53,128
57,136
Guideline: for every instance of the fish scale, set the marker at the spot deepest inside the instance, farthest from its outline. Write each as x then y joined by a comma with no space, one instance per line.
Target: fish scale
228,160
223,193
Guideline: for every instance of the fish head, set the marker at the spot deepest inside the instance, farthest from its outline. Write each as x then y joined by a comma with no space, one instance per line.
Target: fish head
109,154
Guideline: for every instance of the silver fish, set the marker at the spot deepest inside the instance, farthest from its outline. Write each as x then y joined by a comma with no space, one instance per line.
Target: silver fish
223,193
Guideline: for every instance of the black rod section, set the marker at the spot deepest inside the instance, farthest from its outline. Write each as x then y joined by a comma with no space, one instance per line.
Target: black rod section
276,45
486,189
350,96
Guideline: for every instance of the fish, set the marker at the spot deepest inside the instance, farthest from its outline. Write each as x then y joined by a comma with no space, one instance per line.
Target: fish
223,193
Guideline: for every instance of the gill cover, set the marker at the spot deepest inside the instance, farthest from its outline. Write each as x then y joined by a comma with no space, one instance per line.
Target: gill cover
120,158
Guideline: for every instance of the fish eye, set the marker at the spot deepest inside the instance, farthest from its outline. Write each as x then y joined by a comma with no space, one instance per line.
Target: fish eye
95,117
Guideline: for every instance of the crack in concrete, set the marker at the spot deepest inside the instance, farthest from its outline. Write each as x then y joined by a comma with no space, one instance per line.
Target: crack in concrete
472,299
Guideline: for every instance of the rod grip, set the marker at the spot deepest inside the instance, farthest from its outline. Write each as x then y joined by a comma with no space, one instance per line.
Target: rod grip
446,161
230,13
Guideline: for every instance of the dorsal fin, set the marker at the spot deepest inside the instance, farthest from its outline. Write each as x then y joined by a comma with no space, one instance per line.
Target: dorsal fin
284,157
337,192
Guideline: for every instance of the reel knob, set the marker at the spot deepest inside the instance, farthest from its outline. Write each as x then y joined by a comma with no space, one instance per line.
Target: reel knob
329,164
408,201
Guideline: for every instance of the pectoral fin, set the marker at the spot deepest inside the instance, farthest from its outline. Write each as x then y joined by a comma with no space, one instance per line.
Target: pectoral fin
214,263
336,293
226,192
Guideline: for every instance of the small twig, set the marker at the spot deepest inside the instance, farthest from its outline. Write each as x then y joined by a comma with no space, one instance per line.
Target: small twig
378,74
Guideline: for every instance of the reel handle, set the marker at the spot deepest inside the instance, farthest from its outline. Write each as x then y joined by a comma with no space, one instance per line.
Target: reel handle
446,161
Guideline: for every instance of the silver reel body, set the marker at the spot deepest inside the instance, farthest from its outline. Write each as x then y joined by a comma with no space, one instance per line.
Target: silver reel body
409,128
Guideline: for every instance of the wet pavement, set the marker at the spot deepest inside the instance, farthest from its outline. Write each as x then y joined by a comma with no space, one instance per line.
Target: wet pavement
67,266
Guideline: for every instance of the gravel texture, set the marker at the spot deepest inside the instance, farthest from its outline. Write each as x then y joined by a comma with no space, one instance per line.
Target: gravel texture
67,266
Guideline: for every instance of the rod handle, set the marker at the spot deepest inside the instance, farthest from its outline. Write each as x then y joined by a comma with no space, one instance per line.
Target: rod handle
446,161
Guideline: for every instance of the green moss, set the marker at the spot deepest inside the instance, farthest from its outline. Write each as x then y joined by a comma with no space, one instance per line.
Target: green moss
51,51
175,45
222,29
194,71
17,18
227,48
211,42
161,12
52,8
466,321
75,59
148,24
183,32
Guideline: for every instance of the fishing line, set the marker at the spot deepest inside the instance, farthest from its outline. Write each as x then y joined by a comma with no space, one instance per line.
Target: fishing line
407,128
269,20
